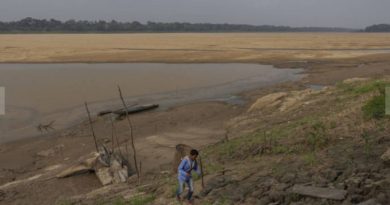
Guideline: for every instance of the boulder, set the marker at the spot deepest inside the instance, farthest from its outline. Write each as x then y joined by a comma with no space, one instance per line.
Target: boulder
270,100
325,193
104,176
386,156
109,168
119,172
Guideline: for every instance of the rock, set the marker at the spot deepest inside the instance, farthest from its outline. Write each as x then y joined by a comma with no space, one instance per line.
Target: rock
297,203
354,184
257,193
281,187
386,156
84,165
215,183
369,202
120,174
264,201
104,176
320,181
2,195
340,185
250,201
74,170
331,175
287,178
104,156
382,198
325,193
356,198
353,80
368,186
276,196
109,167
267,101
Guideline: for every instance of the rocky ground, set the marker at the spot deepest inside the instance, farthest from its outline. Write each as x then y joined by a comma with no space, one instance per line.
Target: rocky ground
323,146
303,147
333,146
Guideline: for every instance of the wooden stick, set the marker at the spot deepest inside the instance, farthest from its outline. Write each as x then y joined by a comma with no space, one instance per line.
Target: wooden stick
140,171
90,123
131,133
227,131
227,136
112,134
201,170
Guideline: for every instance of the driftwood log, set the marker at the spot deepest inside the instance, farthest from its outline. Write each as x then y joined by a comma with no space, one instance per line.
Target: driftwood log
134,109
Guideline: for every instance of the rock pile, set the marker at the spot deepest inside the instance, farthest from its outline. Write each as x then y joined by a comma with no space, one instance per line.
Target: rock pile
110,168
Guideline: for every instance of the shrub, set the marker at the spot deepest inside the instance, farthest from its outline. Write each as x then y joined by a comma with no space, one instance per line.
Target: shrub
375,108
316,137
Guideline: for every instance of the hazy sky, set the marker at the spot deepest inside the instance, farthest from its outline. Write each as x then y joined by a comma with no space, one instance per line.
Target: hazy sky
338,13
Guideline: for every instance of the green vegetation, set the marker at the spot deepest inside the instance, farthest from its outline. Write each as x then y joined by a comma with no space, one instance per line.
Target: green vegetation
31,25
378,28
310,159
367,142
375,108
316,137
365,87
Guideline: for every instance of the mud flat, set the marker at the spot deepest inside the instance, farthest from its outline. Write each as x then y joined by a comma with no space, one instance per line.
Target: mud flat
41,93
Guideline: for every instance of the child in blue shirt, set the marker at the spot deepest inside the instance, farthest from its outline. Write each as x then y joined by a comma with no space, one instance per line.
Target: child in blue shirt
187,165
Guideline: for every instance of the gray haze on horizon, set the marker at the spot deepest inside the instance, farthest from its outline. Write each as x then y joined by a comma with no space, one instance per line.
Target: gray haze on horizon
329,13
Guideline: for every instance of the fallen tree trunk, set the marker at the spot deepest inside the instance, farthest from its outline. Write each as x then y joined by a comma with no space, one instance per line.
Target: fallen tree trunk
135,109
104,112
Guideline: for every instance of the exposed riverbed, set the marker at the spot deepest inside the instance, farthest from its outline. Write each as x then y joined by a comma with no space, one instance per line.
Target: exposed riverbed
40,93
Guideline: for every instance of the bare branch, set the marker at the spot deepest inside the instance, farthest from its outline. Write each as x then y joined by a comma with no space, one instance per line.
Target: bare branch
131,134
90,123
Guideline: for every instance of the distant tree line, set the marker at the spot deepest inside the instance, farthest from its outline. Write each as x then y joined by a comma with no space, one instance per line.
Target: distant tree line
378,28
31,25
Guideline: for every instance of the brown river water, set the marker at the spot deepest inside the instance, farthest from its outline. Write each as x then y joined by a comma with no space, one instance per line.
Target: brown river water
40,93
